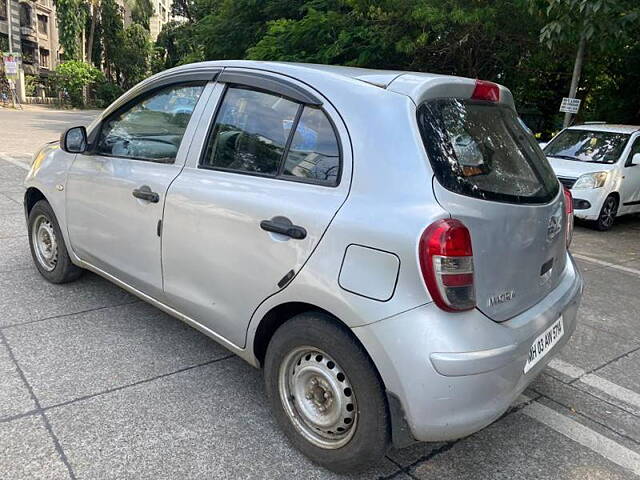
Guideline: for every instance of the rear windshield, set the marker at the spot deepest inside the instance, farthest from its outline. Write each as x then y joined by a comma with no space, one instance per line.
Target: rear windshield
587,146
481,150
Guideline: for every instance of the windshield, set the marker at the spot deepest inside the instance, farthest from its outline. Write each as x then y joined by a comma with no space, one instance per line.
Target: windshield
587,146
481,150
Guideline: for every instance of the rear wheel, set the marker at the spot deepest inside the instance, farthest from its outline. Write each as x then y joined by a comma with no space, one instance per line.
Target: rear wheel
608,214
326,394
48,249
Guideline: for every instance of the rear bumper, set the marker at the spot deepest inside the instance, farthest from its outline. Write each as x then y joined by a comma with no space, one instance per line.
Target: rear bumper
454,374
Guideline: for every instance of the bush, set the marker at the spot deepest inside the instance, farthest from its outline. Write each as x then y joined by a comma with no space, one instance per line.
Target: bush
73,76
106,93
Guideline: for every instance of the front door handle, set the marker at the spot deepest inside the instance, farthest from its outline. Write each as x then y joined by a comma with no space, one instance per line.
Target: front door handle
283,226
144,193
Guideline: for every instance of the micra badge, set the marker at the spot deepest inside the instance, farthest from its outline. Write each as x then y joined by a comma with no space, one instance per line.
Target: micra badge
501,298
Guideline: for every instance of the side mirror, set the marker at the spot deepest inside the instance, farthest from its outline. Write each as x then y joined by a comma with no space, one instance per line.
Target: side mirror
74,140
635,160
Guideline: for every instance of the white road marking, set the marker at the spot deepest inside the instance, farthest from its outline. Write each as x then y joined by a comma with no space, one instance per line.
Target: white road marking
611,389
566,368
583,435
622,268
13,161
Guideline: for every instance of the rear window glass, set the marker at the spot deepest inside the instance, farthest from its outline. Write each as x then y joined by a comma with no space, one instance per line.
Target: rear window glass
587,146
481,150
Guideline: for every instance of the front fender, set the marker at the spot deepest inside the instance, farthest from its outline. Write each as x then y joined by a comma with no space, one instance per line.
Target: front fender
48,174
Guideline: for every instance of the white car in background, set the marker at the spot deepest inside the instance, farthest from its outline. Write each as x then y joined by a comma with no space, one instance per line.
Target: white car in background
600,164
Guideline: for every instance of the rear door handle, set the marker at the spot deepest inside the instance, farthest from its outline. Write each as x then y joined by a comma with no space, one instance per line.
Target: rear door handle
283,226
144,193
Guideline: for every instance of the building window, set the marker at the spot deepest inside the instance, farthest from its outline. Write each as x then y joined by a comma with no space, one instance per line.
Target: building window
43,24
3,9
44,58
28,54
25,15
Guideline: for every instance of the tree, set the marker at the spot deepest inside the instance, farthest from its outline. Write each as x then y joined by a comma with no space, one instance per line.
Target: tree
141,11
70,16
134,54
579,21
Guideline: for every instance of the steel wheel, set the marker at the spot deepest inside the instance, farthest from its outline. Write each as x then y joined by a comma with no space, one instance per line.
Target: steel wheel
608,213
318,397
45,243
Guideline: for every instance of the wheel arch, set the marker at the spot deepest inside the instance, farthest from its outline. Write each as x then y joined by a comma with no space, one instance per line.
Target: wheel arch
32,196
278,316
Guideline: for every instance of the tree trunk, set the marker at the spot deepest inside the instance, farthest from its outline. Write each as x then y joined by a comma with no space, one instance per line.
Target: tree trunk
92,31
575,78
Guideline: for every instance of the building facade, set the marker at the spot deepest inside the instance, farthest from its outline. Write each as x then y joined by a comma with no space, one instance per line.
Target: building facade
33,31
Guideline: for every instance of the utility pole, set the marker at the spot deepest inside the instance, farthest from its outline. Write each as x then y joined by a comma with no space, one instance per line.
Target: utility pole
575,78
10,26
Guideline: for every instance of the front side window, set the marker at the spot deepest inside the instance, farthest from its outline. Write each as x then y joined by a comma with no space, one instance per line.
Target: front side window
481,150
635,149
267,134
151,129
587,146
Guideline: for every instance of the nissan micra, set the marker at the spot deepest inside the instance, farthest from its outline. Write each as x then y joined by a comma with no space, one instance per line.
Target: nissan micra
390,247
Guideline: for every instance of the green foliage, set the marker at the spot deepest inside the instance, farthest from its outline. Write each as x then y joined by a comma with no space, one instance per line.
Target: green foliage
141,11
71,18
73,76
112,27
106,93
598,19
134,55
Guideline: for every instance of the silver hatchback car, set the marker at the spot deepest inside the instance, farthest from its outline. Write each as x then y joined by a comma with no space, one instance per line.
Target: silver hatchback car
390,247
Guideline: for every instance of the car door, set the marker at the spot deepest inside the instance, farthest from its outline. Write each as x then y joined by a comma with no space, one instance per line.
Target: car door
241,220
115,192
630,185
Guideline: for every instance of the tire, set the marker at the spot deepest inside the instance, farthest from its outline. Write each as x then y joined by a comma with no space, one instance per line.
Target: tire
314,347
47,245
608,214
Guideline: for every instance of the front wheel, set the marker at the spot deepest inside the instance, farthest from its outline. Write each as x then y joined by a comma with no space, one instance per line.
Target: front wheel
326,394
48,249
608,214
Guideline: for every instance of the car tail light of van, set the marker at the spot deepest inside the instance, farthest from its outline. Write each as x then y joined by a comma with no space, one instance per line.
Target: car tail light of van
568,207
446,262
487,91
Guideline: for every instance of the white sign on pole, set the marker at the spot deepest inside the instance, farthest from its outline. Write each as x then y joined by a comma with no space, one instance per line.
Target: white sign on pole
570,105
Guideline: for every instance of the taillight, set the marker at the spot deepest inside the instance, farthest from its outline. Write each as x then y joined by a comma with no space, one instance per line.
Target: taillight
568,208
446,261
487,91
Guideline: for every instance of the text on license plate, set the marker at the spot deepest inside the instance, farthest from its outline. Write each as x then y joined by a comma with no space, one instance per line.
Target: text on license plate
544,343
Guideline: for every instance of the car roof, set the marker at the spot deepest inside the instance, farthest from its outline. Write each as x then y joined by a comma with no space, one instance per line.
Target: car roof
418,86
379,78
606,127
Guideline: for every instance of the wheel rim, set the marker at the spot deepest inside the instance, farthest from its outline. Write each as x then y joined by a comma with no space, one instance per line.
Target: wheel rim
608,212
45,244
318,397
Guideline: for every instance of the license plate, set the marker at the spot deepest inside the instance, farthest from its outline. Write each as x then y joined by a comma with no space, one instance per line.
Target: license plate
544,343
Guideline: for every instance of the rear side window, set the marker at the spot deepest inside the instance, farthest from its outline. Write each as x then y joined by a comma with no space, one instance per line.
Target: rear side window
261,133
481,150
314,152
